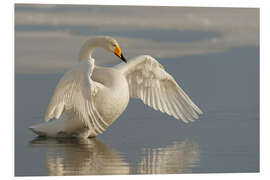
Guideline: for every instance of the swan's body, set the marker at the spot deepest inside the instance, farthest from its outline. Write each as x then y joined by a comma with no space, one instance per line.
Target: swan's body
89,98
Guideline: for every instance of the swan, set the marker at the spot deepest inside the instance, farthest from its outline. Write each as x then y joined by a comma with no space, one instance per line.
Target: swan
89,98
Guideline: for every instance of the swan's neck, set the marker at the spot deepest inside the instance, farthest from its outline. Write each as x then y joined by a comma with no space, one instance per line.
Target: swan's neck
86,53
88,48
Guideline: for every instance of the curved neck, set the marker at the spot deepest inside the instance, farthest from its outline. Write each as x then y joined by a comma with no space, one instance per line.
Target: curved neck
88,48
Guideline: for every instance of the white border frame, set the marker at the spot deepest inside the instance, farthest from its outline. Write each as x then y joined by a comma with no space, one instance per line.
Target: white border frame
7,82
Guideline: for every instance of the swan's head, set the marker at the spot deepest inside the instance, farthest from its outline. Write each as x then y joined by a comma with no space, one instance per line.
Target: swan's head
111,45
106,42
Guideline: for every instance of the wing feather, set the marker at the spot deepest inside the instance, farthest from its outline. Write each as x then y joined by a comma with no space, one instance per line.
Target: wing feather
76,92
149,82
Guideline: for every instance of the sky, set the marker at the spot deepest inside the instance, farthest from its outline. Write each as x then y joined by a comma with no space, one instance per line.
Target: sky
48,37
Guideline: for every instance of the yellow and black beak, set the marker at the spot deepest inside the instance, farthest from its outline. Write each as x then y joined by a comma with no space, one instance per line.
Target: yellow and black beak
118,52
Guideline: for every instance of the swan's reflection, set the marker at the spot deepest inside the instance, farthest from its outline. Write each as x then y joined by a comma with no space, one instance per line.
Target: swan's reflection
180,157
91,156
82,157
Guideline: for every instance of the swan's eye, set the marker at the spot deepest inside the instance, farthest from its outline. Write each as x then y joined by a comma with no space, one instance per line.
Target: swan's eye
114,45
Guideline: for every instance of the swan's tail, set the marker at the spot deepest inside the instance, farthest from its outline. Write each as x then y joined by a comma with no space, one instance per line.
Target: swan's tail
49,129
60,129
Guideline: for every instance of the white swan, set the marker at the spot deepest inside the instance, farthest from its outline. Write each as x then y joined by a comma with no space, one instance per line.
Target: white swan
89,98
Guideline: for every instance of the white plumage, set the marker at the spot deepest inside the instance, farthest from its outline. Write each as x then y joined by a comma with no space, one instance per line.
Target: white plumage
90,98
148,81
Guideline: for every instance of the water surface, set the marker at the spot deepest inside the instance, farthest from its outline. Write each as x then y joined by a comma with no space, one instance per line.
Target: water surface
144,141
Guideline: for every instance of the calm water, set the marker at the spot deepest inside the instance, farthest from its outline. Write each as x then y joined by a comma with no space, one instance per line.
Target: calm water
143,141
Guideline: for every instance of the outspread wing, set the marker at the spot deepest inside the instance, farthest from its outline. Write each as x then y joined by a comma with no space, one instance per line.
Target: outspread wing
149,82
76,91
